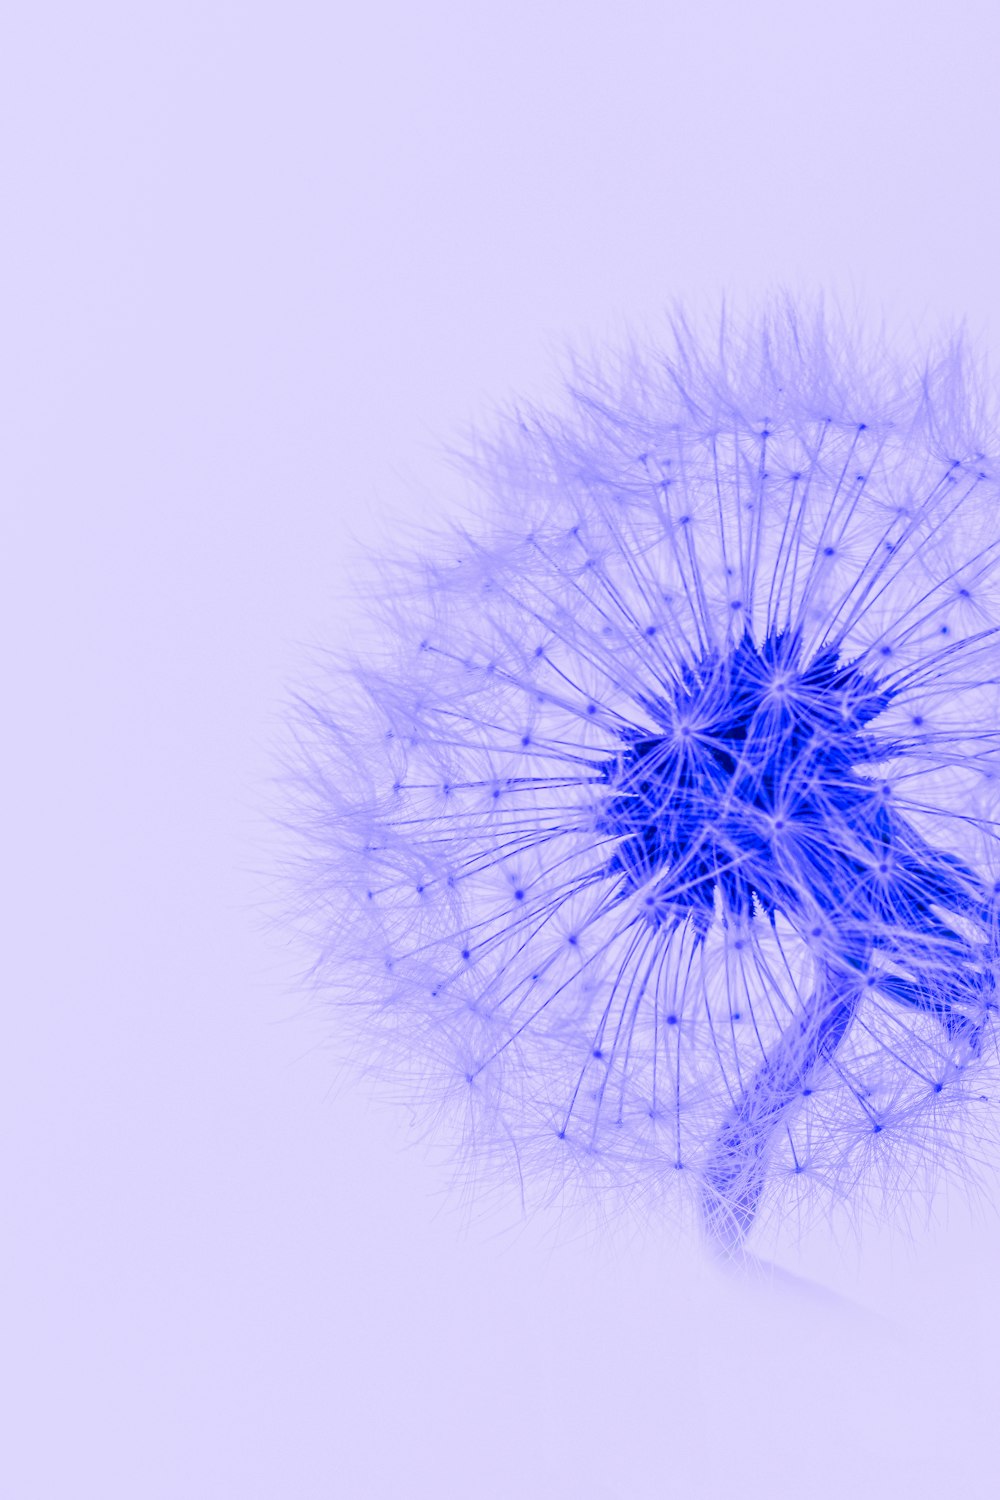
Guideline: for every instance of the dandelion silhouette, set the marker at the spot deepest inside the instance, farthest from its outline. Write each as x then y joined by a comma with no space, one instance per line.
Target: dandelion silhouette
655,833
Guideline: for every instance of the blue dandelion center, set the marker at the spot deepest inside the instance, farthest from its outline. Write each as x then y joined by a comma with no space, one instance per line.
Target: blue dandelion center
753,802
736,799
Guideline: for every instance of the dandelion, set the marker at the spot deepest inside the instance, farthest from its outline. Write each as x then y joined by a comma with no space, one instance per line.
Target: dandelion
656,834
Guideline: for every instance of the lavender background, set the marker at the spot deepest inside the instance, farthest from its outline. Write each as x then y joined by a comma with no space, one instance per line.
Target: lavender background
259,260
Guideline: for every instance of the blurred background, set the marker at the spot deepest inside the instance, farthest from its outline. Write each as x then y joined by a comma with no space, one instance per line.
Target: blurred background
260,263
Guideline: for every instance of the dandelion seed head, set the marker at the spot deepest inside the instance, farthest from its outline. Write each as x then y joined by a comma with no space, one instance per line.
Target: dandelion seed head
656,842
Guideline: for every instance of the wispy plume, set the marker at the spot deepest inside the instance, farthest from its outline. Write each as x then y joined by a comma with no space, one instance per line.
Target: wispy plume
655,836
